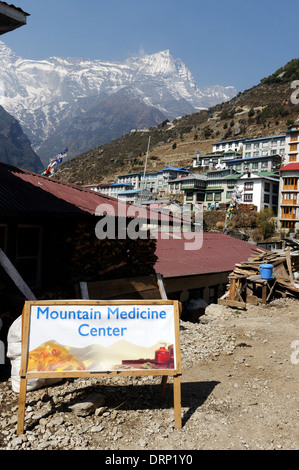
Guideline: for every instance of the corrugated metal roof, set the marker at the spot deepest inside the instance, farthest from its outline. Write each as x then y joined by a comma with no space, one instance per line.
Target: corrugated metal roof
290,167
16,8
219,253
23,191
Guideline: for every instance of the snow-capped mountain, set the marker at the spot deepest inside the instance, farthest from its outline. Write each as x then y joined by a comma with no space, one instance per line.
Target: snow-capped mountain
83,103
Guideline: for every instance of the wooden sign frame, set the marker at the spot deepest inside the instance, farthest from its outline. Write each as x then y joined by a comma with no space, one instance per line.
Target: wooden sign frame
25,374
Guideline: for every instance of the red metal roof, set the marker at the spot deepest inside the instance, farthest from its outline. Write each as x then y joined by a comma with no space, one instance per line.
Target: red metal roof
219,253
23,191
290,167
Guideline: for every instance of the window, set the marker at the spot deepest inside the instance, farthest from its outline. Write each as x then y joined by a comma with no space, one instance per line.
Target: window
248,185
266,198
292,158
217,197
267,187
28,253
288,224
294,137
293,147
248,197
209,196
290,182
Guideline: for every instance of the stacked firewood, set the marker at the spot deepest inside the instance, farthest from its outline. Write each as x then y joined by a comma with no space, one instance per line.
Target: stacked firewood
94,259
247,273
252,265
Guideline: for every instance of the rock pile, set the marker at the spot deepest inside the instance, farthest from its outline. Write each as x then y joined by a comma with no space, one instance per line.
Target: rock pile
96,413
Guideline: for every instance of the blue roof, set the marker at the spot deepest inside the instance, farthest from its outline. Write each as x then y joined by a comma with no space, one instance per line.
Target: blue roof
266,138
240,160
229,141
173,168
120,184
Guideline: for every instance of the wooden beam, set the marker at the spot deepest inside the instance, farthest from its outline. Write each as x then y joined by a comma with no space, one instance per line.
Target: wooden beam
15,276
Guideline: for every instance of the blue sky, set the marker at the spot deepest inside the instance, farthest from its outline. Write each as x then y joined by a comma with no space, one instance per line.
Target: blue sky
232,42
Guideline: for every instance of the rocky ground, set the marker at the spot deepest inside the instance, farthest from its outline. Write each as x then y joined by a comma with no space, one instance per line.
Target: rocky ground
239,392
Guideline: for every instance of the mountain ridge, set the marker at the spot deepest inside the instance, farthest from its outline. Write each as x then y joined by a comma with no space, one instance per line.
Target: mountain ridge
44,95
263,110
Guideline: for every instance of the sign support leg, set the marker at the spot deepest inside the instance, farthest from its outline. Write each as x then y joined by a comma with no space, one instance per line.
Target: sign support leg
22,402
177,401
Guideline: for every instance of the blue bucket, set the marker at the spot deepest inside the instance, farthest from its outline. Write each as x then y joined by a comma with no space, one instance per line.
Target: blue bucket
266,271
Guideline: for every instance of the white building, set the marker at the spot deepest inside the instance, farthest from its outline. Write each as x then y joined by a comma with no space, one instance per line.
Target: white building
135,196
261,164
110,189
274,145
259,190
214,160
229,145
131,178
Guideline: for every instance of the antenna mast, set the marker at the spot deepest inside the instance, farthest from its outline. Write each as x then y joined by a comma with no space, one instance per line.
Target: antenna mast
148,146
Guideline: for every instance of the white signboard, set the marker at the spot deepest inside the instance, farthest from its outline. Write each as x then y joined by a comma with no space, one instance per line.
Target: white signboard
102,336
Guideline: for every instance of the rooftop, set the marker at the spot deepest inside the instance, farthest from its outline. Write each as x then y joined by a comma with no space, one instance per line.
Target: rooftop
23,192
290,167
219,253
11,17
261,157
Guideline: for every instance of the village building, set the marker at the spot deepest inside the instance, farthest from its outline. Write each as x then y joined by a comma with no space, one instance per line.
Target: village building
54,234
212,161
218,184
132,178
109,189
156,182
135,196
288,216
260,190
193,187
261,164
273,145
199,274
229,145
292,144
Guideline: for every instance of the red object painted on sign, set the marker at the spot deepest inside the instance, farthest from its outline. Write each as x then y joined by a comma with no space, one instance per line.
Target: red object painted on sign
162,356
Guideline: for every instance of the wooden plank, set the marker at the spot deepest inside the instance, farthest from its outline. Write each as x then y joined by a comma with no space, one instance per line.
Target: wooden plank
161,287
232,303
84,290
177,402
280,272
22,404
15,276
140,287
289,265
23,368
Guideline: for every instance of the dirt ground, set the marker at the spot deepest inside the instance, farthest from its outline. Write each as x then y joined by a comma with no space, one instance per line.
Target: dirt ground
253,393
241,397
